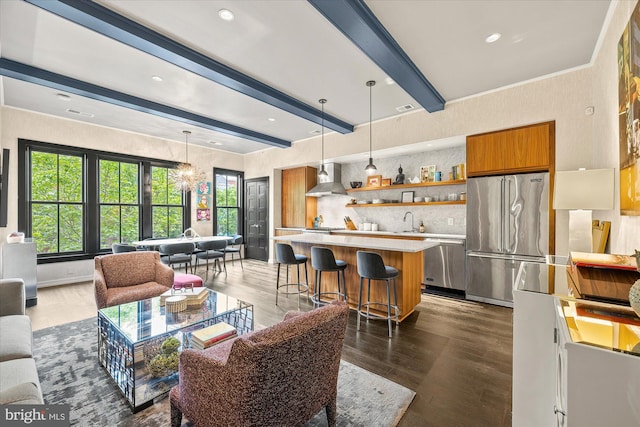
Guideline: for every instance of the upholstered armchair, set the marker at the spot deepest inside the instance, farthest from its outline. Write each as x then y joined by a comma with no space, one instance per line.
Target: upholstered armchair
130,276
279,376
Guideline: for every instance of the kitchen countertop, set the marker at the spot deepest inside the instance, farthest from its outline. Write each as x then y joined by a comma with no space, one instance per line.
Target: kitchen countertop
387,233
382,244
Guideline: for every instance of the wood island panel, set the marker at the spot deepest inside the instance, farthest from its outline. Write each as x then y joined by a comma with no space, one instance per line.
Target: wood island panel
409,265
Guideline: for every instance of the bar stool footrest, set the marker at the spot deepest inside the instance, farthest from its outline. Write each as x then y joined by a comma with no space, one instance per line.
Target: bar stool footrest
382,316
302,288
319,300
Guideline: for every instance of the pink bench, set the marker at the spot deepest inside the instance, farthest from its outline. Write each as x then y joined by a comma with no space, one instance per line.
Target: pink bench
181,280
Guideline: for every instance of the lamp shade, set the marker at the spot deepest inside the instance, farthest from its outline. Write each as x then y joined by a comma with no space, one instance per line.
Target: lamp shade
584,189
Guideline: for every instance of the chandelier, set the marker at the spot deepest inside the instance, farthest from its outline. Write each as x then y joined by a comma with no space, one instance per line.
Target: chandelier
186,177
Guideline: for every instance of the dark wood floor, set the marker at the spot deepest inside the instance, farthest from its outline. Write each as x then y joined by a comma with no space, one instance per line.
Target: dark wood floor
455,354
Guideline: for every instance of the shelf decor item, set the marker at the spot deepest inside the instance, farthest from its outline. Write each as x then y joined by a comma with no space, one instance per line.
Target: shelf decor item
634,292
386,182
427,173
407,197
374,180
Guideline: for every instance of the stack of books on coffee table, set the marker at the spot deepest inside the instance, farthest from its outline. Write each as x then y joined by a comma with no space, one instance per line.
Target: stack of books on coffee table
214,334
195,296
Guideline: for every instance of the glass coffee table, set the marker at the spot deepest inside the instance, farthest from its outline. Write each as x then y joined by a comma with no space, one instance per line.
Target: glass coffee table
139,342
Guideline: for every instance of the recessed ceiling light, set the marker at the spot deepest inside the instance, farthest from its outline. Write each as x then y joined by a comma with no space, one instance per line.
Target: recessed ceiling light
314,132
271,119
493,37
156,78
218,143
63,97
389,81
225,14
406,107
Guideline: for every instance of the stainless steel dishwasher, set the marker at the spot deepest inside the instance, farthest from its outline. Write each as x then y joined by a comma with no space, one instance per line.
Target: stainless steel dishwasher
444,266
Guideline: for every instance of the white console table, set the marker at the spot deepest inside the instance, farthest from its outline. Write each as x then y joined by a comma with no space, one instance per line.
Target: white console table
570,368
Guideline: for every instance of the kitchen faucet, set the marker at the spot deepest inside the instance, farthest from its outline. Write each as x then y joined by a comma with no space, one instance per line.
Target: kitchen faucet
405,219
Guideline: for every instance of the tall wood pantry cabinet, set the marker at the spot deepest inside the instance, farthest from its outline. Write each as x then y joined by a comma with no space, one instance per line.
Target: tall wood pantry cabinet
298,210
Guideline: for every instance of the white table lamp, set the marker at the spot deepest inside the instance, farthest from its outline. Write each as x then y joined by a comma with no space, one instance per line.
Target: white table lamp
580,192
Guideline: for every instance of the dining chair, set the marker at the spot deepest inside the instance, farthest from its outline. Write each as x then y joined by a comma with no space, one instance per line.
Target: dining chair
211,249
235,247
177,254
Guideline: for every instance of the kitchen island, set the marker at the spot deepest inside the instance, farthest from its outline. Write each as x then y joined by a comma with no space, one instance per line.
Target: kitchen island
405,255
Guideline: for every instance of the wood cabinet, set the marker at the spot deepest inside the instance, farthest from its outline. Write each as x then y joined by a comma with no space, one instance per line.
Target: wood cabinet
298,210
524,149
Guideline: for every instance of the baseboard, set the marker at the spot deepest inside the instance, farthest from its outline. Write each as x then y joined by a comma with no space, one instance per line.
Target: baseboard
65,281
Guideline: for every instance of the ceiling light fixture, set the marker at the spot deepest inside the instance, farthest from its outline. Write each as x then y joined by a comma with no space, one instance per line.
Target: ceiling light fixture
186,177
63,97
493,37
323,173
271,119
225,15
156,78
371,168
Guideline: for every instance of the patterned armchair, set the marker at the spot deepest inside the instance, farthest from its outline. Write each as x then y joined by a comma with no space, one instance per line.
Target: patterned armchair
130,276
279,376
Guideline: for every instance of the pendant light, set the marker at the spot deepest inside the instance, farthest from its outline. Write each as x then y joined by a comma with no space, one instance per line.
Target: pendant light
323,173
186,177
371,168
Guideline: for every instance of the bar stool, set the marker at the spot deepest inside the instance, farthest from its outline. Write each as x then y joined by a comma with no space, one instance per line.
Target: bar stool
371,267
322,259
285,255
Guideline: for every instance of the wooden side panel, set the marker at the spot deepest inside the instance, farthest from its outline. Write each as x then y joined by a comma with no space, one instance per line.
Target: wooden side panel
311,203
293,199
484,154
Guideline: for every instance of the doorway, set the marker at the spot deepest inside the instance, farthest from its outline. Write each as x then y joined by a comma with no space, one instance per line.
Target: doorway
256,204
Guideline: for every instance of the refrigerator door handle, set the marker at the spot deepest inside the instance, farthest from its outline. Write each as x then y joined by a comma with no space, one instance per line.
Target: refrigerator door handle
505,257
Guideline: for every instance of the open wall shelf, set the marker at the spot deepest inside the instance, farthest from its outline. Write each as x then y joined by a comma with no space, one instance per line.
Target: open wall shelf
383,205
405,186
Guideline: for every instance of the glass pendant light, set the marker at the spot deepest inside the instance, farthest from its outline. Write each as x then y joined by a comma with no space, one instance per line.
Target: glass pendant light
323,173
371,168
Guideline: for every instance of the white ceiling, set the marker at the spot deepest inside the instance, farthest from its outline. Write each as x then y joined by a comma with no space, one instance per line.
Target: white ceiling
291,47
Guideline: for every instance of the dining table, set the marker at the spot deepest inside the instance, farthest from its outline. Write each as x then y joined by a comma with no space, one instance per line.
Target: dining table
169,241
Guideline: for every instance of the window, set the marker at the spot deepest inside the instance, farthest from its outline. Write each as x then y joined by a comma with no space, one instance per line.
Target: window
76,202
228,197
119,202
166,202
57,202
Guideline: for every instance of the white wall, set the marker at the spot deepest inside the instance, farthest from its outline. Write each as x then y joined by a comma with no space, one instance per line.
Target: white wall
27,125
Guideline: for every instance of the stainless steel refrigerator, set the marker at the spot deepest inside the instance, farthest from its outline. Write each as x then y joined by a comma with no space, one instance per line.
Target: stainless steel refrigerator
507,223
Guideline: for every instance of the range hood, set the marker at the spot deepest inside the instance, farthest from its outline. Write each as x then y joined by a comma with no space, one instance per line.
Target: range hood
329,185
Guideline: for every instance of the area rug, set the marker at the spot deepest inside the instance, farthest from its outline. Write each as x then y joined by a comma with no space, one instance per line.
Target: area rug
69,371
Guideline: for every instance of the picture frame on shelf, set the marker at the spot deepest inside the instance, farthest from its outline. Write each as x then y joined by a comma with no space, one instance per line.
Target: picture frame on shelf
407,197
386,182
427,173
374,180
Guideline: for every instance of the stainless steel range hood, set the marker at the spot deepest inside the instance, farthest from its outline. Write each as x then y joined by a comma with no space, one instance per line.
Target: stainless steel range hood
329,185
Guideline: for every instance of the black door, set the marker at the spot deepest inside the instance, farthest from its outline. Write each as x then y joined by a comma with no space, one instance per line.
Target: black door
257,218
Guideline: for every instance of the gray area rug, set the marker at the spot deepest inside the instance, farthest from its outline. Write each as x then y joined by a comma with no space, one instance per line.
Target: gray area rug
69,372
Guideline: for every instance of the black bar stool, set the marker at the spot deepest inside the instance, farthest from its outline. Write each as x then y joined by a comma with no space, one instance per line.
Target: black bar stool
285,255
322,259
371,267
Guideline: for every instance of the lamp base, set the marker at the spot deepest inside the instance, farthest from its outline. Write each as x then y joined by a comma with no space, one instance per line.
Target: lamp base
580,231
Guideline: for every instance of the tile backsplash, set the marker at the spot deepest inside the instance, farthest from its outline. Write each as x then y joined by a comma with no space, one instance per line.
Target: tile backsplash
437,219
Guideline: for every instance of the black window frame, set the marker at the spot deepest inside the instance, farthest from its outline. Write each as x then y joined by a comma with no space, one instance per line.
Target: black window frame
91,240
240,198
